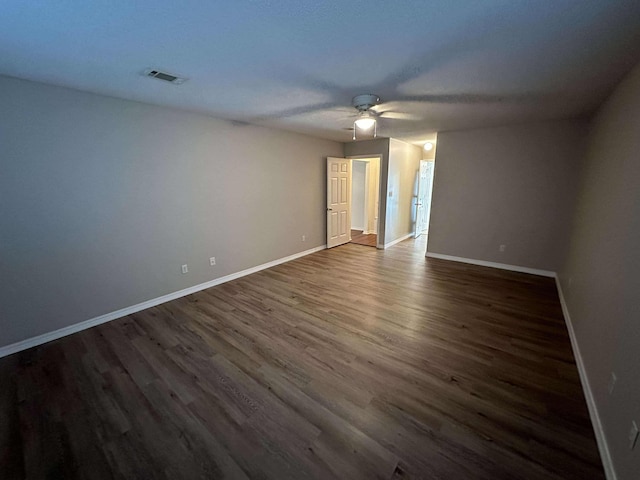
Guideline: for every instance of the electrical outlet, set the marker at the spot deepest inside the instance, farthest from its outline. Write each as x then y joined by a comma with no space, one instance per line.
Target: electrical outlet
304,238
212,261
503,248
185,269
612,383
633,435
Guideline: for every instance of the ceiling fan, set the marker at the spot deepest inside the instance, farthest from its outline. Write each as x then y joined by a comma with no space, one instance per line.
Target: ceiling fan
369,110
366,117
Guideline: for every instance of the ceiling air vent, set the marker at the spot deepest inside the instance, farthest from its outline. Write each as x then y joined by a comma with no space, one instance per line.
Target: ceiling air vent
167,77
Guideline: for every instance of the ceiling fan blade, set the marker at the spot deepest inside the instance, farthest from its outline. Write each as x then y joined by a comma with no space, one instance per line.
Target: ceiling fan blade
321,87
346,110
292,76
420,64
452,98
292,112
476,98
350,118
398,116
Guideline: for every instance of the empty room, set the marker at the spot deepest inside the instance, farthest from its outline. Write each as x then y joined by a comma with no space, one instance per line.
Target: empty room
324,240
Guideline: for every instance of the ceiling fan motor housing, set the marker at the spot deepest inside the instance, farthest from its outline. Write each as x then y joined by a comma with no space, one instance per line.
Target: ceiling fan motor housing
365,102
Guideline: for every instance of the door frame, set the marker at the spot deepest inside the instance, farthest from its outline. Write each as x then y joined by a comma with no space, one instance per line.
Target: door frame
382,189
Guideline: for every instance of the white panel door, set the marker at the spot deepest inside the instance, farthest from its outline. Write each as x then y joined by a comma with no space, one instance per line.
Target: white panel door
338,201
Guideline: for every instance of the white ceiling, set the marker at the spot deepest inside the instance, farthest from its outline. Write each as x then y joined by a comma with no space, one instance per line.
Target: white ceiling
295,64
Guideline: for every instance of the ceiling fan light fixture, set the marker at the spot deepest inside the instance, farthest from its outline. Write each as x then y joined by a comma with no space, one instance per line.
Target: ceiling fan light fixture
365,123
367,117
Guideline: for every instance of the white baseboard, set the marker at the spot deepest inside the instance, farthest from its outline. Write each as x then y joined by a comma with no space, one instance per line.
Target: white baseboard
398,240
357,228
601,440
502,266
123,312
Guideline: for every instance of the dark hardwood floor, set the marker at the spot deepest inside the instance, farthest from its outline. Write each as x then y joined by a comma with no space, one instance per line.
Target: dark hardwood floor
360,238
351,363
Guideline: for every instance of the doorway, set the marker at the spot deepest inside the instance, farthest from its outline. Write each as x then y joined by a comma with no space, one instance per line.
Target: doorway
365,200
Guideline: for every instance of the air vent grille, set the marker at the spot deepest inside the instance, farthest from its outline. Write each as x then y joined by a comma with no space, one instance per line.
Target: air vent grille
167,77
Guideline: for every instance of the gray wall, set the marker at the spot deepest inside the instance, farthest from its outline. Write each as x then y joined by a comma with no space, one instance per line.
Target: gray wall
104,199
404,166
512,186
601,276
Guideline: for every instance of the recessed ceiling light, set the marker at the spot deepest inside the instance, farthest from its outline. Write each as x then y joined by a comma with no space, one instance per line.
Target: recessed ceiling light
428,146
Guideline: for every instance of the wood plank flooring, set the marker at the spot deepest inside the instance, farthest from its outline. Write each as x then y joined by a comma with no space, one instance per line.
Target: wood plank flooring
360,238
351,363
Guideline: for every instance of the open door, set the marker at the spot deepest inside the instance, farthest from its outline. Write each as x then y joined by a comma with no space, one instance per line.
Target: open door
423,199
338,201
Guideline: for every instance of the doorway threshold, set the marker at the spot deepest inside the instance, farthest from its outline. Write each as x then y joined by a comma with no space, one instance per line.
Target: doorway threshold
360,238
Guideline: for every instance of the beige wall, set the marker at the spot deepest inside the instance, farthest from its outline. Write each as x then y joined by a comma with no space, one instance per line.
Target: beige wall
404,165
103,200
512,186
601,276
